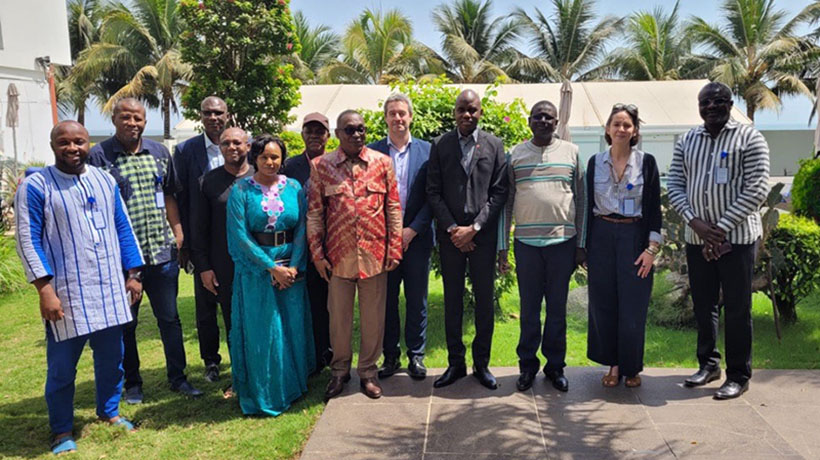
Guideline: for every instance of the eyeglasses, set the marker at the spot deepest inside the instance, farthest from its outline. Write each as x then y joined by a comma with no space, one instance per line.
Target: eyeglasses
628,107
542,117
715,101
351,130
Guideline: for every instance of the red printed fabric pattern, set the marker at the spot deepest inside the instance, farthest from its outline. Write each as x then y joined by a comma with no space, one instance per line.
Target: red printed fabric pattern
354,215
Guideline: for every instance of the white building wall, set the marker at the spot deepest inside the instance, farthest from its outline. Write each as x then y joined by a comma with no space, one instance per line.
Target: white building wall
30,29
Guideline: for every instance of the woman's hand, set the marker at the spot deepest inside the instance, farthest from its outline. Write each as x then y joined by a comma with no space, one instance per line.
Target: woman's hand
282,277
644,263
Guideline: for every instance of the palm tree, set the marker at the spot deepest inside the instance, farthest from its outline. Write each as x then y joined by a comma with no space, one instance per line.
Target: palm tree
378,48
141,39
657,48
566,48
320,46
84,19
476,46
756,52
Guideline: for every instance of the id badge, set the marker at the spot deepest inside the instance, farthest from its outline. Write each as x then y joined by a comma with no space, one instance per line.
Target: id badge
629,206
722,176
160,199
98,218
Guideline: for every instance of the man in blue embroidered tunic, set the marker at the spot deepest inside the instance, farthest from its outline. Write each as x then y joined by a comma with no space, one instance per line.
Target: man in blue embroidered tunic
75,240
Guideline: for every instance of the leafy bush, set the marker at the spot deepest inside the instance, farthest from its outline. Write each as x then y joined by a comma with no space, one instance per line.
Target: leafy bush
12,277
795,251
805,190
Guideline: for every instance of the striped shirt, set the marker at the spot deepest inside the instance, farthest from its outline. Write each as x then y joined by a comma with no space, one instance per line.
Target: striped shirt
722,180
546,195
75,230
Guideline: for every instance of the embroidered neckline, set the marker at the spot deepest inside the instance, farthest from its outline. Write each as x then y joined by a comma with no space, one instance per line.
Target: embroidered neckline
271,201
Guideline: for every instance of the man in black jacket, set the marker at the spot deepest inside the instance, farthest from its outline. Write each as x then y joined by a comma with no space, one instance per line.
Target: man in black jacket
467,189
192,159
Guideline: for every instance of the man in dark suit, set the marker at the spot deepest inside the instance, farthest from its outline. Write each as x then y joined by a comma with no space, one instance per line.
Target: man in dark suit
467,189
315,134
192,159
409,157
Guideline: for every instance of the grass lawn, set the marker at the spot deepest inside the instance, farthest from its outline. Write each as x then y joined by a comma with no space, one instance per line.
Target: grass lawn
172,427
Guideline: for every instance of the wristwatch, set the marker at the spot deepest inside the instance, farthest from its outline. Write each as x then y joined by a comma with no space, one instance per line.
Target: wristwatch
476,227
135,276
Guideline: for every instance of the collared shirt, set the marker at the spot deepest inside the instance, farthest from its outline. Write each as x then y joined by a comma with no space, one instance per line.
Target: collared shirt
215,158
625,196
75,230
723,181
401,162
140,177
354,216
546,196
468,144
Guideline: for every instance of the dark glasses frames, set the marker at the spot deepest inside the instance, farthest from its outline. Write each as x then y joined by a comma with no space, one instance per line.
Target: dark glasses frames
351,130
628,107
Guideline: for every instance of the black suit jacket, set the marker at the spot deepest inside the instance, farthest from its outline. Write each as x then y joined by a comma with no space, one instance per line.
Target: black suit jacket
417,214
191,163
456,198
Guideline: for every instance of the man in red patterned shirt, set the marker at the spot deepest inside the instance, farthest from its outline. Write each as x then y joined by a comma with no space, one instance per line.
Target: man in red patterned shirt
354,227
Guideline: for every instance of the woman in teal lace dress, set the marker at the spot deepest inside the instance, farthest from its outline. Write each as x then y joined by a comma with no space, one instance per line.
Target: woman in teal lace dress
271,334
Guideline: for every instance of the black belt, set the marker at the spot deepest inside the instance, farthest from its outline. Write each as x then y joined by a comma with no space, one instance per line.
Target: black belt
273,239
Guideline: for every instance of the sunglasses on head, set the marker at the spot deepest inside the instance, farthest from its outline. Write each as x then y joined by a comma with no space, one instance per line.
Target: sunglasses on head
351,130
628,107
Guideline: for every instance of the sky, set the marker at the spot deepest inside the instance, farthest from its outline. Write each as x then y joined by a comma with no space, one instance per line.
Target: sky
338,15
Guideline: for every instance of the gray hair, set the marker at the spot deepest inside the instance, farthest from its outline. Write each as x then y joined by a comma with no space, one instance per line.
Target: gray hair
399,97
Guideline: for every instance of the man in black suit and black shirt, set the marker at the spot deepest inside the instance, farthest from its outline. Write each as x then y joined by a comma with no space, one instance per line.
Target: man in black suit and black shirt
467,189
315,133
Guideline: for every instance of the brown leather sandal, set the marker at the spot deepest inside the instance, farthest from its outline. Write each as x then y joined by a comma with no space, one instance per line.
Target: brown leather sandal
611,381
632,382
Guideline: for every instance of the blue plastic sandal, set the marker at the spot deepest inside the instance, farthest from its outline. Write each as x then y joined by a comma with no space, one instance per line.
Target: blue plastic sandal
125,423
63,445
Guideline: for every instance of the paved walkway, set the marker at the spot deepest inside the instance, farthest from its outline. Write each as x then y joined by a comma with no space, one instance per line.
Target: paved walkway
779,417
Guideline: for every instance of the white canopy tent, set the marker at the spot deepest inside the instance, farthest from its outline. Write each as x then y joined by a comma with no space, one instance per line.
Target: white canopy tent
667,108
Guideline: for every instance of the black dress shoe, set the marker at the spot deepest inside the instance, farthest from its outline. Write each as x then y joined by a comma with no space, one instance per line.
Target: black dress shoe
702,377
731,390
416,368
187,389
525,380
212,372
485,377
558,379
450,376
336,385
389,367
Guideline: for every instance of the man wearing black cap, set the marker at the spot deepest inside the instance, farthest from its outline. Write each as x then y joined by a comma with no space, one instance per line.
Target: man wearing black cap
315,133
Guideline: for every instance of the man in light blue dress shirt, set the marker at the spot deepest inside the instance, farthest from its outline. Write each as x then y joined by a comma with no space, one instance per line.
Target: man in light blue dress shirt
409,157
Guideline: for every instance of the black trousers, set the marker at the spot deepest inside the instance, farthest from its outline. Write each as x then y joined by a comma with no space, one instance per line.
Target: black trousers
454,263
543,273
733,273
618,297
317,294
207,325
414,271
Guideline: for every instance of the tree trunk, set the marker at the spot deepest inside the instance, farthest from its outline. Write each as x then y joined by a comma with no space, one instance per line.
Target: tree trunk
166,115
787,308
81,114
751,108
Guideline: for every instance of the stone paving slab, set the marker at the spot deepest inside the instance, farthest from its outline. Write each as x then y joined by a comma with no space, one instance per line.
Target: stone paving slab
779,417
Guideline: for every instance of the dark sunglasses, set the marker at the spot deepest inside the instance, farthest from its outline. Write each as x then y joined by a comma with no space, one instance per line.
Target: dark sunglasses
351,130
631,108
208,113
715,101
542,117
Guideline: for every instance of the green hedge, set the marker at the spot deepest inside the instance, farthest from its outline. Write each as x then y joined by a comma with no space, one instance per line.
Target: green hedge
795,248
12,276
805,190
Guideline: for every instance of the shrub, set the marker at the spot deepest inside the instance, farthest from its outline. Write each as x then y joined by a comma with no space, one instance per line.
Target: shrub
805,190
12,277
795,251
